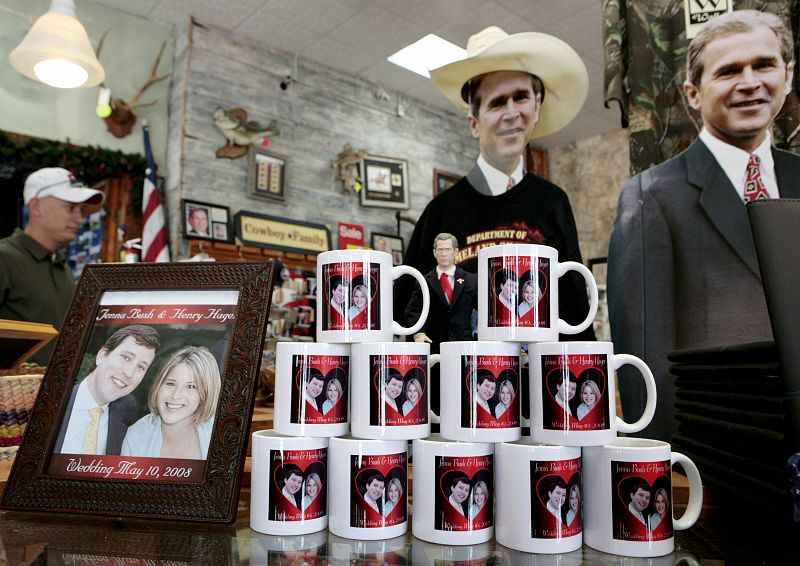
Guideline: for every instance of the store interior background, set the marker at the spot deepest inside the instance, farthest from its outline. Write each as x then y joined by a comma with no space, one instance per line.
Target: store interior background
236,54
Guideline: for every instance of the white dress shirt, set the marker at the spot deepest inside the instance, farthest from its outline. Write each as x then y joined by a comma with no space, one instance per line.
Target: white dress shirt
496,179
457,505
733,162
79,421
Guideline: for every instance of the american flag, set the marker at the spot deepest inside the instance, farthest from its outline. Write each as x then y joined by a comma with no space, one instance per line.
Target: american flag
154,233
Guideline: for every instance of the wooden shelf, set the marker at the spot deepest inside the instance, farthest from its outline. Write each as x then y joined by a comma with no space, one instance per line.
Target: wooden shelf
237,252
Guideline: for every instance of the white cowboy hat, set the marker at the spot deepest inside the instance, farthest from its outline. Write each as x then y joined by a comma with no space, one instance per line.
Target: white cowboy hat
560,68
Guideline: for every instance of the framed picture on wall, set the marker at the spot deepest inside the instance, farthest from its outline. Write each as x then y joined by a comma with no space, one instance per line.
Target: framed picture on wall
266,174
443,180
385,182
389,244
146,348
206,221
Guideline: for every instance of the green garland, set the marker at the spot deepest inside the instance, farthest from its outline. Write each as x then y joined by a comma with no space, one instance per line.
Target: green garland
88,163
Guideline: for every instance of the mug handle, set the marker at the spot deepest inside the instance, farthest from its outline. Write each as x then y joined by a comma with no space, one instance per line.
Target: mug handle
434,359
524,359
564,327
695,504
397,271
650,386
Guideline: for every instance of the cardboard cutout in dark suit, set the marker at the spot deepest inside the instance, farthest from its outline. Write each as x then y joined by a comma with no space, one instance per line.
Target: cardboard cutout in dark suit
122,413
682,270
446,322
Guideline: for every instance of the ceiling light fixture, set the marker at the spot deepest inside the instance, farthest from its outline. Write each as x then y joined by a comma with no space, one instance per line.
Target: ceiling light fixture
430,52
57,50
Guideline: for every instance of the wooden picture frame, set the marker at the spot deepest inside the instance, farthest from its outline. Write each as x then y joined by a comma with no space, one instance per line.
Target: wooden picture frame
266,174
209,318
206,221
385,182
390,244
443,180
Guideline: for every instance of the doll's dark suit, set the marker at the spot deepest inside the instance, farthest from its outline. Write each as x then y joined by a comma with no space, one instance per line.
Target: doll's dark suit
446,322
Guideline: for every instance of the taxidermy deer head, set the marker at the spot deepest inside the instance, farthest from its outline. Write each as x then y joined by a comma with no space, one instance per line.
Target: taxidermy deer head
120,116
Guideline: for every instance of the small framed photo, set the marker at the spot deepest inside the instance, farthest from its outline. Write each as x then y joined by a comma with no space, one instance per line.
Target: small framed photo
266,174
144,406
385,182
206,221
390,244
443,180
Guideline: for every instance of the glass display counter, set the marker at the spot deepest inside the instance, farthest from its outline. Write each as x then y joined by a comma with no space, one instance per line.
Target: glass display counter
35,538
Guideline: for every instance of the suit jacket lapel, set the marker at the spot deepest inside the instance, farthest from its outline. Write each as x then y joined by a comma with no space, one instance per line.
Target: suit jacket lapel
434,284
721,202
478,181
457,287
787,173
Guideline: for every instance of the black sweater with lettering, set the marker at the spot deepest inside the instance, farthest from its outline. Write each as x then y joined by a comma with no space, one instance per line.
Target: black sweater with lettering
535,211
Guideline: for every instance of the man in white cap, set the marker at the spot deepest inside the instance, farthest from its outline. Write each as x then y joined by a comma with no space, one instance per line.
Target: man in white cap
35,283
514,88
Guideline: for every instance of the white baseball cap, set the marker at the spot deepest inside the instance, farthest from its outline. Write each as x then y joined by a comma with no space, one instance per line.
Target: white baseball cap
59,183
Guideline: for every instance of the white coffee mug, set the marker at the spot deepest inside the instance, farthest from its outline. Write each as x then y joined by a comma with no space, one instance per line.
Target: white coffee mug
354,299
573,393
480,391
628,504
312,387
371,494
389,395
546,518
518,293
289,484
453,491
266,550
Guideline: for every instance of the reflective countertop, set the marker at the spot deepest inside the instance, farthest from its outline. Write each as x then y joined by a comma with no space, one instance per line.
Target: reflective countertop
67,539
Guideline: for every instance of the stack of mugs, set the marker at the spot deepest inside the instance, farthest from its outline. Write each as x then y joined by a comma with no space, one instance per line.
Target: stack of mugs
355,379
478,477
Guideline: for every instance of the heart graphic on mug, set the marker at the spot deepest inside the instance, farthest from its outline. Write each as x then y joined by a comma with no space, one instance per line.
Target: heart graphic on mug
322,392
643,498
300,485
563,386
399,388
553,492
467,495
484,388
381,493
532,288
591,390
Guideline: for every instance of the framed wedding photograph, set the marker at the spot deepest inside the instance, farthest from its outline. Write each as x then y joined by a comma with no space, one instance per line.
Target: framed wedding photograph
390,244
385,182
266,174
206,221
144,407
443,180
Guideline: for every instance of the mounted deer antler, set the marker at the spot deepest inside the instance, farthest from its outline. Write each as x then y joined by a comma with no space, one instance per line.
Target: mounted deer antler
123,114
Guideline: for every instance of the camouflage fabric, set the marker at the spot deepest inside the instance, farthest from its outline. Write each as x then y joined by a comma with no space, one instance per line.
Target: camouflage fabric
647,82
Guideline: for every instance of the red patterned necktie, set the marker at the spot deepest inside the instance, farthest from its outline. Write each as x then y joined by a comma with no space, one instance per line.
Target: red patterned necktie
510,184
754,188
446,287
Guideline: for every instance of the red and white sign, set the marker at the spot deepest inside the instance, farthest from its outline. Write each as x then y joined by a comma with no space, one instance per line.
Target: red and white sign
350,236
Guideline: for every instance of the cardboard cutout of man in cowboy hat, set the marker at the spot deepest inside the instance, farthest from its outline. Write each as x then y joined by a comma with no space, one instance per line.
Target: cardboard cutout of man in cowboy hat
514,88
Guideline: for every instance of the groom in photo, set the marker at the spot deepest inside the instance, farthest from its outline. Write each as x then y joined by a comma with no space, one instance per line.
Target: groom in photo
101,406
